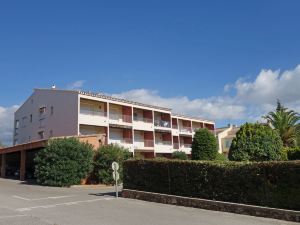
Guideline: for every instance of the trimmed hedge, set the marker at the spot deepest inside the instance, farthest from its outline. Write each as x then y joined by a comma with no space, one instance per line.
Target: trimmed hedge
272,184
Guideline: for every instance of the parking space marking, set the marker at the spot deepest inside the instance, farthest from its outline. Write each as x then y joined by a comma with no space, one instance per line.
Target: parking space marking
62,204
46,198
13,216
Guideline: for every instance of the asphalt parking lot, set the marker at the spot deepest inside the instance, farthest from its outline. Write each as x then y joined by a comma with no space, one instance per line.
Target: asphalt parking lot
23,204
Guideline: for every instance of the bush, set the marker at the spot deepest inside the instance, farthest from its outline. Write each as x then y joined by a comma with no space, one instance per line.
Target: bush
64,162
272,184
255,142
179,155
104,157
204,146
293,153
221,157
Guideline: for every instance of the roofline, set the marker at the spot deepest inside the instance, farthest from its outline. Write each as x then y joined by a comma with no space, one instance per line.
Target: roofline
191,117
104,96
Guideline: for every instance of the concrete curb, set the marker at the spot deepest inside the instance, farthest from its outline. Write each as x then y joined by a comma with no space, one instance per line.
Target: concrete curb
281,214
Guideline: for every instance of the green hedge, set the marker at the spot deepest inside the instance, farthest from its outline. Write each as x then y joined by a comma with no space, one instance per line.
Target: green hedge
273,184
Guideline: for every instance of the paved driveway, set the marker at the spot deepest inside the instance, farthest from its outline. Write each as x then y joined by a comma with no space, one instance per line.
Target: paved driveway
23,204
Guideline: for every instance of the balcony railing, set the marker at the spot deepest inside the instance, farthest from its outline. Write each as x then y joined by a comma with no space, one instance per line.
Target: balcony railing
174,126
176,145
163,143
118,117
186,129
142,119
92,112
122,141
162,123
186,145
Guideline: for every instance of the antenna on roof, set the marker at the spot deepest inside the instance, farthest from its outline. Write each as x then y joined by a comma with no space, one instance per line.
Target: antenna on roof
53,86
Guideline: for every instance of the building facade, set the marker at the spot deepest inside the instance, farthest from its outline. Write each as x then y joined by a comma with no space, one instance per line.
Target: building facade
225,136
145,129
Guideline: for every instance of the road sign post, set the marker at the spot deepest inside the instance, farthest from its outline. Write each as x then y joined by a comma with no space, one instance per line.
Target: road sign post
116,176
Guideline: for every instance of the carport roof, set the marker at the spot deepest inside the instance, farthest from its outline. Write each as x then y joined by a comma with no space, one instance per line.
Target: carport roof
26,147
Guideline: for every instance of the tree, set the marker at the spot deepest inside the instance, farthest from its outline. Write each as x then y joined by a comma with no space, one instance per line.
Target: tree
255,142
286,123
104,157
64,162
204,145
179,155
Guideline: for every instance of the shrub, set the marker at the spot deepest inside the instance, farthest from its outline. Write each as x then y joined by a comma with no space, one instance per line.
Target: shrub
221,157
104,157
179,155
204,146
255,142
64,162
272,184
293,153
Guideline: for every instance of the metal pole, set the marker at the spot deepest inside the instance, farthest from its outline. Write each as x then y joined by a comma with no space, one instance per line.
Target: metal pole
116,185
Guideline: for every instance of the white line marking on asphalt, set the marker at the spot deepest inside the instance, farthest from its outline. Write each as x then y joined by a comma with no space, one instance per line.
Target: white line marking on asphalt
38,199
13,216
61,204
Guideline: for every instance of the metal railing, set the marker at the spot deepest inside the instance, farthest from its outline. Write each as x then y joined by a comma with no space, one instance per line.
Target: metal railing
174,126
163,143
122,141
142,119
118,117
186,145
186,129
162,123
92,112
148,143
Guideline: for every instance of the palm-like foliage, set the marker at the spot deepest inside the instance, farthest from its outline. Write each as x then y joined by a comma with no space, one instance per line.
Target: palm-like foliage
286,123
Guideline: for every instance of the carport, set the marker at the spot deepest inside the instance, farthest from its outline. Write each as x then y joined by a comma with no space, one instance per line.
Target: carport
15,157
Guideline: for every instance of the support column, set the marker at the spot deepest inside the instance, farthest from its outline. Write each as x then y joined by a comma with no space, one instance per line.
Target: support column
22,165
3,165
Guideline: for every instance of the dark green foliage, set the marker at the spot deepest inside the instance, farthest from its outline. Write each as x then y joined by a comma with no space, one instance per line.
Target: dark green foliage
221,157
293,153
272,184
255,142
64,162
179,155
104,157
204,146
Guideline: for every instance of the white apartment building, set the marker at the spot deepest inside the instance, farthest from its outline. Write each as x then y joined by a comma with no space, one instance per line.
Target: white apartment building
145,129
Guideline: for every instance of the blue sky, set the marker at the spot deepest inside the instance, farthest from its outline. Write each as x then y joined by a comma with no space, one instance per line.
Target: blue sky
210,54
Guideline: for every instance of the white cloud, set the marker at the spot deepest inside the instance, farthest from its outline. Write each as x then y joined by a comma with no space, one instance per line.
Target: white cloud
248,101
6,124
210,108
76,85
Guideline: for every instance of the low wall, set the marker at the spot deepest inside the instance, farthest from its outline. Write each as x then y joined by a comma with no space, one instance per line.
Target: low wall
251,210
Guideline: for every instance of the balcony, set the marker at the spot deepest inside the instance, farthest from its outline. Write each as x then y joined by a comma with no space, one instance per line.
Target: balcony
92,116
162,124
146,144
163,146
141,123
121,119
124,142
185,130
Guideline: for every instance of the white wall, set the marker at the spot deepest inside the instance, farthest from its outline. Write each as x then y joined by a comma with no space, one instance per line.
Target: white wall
63,121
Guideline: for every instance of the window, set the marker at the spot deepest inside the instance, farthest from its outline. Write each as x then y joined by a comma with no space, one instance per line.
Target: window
17,124
42,111
41,134
30,118
52,110
228,143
